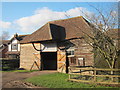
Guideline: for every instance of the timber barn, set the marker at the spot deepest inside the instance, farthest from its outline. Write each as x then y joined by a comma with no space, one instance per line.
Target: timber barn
57,45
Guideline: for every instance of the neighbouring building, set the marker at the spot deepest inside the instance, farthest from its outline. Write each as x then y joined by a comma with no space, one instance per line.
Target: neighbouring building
3,48
57,45
14,46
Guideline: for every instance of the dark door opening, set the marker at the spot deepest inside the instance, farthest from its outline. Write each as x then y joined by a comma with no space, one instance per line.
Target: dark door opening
49,60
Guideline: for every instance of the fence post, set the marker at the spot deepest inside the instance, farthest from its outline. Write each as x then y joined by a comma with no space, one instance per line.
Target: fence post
69,71
94,75
112,78
69,76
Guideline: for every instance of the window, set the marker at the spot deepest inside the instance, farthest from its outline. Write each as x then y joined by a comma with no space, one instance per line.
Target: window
70,52
14,47
72,60
81,61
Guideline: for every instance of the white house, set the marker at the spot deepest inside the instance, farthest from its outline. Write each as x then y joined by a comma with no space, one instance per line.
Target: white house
14,46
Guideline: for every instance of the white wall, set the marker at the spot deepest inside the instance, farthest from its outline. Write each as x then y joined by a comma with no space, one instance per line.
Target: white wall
15,41
18,47
49,47
9,47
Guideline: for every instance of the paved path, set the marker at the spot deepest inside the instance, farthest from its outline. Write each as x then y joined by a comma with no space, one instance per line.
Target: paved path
15,79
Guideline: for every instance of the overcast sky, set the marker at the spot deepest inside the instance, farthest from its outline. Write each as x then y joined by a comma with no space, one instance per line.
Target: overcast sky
27,17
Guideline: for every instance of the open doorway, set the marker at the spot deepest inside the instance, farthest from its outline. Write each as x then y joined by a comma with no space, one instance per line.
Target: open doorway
49,60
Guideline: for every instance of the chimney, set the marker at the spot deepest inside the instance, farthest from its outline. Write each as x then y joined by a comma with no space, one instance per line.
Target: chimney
16,35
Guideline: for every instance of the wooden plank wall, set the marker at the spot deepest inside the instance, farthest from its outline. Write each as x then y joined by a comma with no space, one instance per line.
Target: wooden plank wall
61,61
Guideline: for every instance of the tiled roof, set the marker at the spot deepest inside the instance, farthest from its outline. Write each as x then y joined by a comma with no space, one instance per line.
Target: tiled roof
5,42
60,29
13,52
19,37
41,34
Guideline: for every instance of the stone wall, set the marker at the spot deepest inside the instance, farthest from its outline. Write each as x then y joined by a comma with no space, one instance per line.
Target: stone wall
27,56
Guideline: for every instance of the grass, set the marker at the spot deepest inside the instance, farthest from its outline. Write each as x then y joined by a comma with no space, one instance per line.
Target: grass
58,80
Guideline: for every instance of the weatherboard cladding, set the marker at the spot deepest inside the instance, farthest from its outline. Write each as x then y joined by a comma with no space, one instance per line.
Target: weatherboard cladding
60,29
114,33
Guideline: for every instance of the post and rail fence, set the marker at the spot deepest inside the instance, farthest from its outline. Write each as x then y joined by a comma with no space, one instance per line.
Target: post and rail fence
94,75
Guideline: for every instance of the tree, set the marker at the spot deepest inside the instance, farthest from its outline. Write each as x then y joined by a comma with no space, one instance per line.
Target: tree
103,43
4,35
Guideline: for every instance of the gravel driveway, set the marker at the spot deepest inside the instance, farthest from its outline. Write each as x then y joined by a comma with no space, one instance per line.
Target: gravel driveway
15,79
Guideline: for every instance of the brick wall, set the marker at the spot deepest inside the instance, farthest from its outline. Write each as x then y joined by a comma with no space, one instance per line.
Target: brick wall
27,57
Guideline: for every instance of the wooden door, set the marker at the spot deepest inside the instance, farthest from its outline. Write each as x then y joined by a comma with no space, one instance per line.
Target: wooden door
61,61
36,62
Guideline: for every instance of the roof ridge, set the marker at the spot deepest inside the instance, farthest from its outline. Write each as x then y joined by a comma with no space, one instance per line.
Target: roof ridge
24,35
43,34
65,19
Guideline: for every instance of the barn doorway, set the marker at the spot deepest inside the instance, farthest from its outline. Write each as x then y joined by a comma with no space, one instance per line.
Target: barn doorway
49,60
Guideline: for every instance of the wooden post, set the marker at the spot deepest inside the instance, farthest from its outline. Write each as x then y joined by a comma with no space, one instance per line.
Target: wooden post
69,76
112,78
94,75
69,72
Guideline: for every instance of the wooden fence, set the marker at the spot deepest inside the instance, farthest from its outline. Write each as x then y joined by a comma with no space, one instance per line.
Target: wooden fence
9,63
94,75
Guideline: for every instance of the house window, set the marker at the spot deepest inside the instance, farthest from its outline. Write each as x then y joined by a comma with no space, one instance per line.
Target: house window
14,46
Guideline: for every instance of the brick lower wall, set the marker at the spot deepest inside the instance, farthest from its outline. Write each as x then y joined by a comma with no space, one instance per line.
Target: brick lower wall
27,57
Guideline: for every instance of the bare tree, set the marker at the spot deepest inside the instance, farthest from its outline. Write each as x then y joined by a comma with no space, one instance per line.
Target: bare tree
103,43
4,35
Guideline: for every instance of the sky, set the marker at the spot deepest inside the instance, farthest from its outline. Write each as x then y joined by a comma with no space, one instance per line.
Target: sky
27,17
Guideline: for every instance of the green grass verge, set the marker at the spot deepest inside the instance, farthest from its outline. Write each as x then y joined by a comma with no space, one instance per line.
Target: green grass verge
58,80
